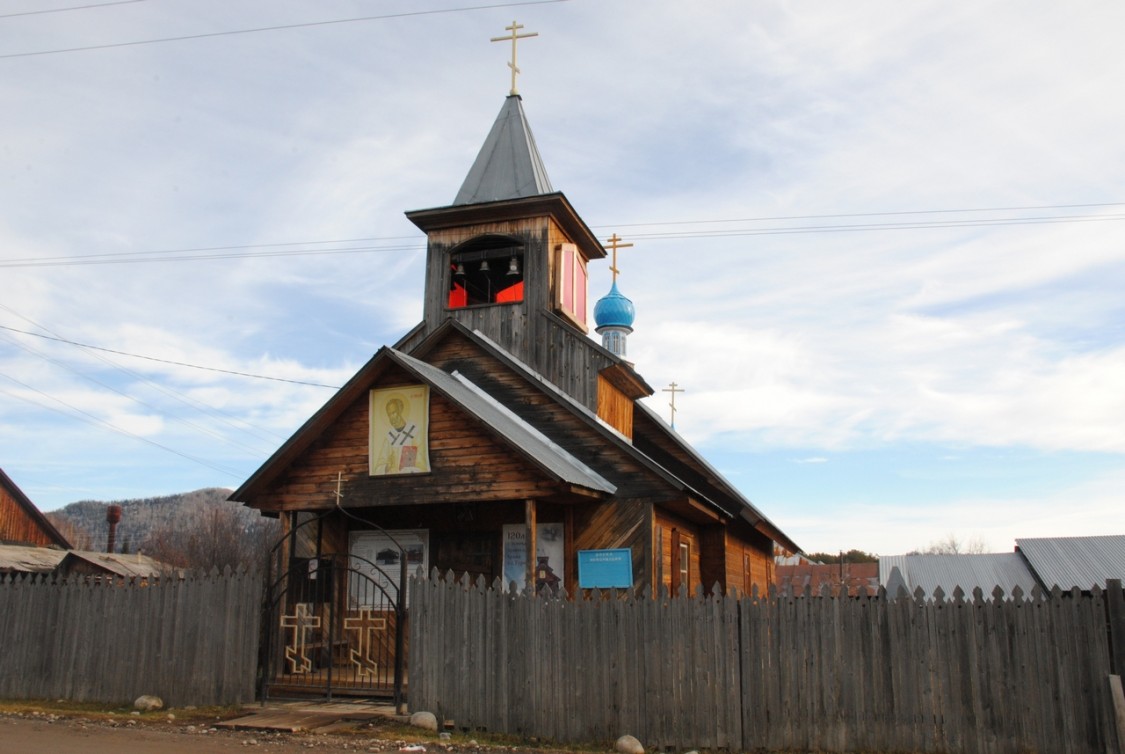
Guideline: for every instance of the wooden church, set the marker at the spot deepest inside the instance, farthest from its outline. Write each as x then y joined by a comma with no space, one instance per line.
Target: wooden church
498,438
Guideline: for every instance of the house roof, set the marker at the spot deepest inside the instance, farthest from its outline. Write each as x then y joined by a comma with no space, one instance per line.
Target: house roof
508,165
116,563
529,441
31,511
21,559
716,482
1070,562
742,507
18,559
524,439
1006,570
532,443
815,576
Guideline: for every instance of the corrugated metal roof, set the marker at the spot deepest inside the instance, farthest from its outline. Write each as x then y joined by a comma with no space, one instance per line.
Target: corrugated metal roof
1006,570
508,166
1070,562
535,444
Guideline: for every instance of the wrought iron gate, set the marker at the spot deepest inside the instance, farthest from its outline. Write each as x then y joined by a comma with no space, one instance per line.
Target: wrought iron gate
335,624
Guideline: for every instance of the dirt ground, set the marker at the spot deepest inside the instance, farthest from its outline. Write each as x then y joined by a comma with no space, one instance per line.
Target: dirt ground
46,732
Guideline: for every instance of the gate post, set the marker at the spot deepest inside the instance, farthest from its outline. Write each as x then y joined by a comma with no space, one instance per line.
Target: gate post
400,628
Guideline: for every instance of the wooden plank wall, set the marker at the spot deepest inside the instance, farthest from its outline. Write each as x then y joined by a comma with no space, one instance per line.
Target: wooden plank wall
992,674
18,526
189,641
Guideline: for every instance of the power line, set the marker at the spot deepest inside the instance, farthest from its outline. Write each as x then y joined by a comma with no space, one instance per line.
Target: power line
134,398
75,412
1029,208
167,361
280,27
278,250
149,257
73,7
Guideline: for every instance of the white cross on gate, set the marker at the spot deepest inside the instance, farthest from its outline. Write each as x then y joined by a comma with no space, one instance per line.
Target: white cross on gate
301,622
365,625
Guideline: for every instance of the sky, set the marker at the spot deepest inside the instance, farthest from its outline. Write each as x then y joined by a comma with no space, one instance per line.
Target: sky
880,245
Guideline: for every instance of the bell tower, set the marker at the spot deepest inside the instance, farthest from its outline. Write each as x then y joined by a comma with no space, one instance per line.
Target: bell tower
508,259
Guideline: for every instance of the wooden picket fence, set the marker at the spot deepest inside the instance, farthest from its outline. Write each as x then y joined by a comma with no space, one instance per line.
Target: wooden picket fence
189,639
995,674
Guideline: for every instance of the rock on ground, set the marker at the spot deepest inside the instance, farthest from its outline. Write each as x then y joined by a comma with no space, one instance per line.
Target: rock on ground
427,720
629,745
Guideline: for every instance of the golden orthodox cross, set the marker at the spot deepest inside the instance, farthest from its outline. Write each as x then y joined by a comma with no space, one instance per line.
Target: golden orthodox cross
514,28
365,625
615,244
673,390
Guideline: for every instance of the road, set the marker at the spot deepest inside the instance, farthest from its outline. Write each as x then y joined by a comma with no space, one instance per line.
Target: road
52,734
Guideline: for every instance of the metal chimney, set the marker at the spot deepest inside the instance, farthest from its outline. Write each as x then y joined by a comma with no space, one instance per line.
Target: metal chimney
112,516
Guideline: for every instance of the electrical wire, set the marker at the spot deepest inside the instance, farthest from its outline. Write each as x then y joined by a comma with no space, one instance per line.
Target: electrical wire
73,7
279,27
75,412
278,250
167,361
144,404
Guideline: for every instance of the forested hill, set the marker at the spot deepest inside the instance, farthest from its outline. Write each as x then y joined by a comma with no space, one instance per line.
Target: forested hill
150,524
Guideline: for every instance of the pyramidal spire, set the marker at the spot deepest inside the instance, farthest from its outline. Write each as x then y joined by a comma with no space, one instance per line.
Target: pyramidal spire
508,165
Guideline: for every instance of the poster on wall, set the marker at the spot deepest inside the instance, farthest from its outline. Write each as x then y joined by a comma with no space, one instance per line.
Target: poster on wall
376,555
400,428
549,564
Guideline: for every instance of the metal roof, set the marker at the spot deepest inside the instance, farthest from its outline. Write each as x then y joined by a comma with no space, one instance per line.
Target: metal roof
508,165
538,447
1070,562
14,558
19,559
1006,570
120,564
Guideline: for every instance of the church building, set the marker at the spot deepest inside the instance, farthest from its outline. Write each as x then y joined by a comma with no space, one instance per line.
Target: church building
499,438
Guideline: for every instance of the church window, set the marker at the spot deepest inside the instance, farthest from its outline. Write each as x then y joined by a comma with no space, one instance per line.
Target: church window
571,282
486,270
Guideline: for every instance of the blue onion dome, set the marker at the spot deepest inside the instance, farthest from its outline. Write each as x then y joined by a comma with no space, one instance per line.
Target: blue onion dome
614,310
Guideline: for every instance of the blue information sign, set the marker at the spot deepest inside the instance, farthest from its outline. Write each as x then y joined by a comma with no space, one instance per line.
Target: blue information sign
605,569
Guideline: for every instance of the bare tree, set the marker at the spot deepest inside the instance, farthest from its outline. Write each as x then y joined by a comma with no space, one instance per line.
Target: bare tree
951,545
216,538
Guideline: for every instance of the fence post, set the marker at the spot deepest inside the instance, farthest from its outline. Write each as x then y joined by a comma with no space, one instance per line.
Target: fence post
1115,617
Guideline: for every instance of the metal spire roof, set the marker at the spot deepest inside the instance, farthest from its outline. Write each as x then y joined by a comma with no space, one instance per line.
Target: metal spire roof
508,165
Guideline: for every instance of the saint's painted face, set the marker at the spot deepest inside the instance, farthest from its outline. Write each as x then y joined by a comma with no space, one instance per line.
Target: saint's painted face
394,413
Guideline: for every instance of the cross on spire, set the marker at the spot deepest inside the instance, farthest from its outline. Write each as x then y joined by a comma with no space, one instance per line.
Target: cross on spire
673,389
514,36
615,244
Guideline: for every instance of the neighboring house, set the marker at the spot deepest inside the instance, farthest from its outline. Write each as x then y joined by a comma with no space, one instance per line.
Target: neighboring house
498,424
46,560
126,566
1067,562
814,576
21,523
928,572
1075,561
23,559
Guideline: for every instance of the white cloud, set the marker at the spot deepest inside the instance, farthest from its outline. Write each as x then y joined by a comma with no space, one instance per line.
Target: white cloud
654,112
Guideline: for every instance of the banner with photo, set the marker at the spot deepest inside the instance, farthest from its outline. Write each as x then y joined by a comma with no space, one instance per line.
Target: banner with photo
376,554
550,567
